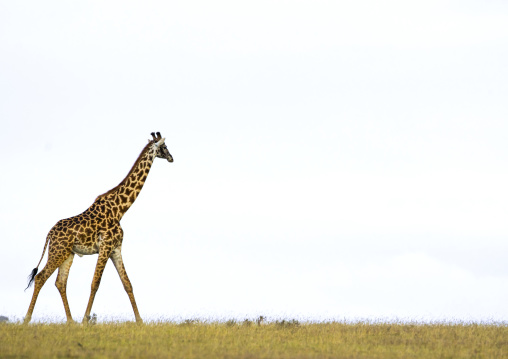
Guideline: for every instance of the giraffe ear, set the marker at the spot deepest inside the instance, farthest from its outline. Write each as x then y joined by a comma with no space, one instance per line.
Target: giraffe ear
160,142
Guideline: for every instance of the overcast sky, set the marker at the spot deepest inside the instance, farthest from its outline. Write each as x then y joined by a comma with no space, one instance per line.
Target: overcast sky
333,159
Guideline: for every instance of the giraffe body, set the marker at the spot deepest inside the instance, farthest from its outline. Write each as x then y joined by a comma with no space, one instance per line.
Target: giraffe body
96,231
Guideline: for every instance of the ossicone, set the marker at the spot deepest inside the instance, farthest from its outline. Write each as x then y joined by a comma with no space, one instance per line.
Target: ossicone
156,138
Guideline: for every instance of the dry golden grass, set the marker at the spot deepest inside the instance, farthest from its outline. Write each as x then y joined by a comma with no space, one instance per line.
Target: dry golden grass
287,339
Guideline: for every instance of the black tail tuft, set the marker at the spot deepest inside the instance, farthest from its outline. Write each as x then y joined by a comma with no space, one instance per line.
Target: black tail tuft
31,277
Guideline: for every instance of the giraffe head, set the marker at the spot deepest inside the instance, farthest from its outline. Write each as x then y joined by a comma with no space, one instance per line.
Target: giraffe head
160,147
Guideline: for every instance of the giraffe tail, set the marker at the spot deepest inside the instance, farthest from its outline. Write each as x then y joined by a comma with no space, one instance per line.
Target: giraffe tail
32,275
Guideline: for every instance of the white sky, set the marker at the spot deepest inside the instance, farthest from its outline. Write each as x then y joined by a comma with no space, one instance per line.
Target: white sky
333,159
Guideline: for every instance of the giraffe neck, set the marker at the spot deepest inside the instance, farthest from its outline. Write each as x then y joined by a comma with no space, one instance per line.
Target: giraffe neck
121,198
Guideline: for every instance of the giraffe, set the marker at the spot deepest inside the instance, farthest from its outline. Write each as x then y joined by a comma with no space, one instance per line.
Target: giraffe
96,231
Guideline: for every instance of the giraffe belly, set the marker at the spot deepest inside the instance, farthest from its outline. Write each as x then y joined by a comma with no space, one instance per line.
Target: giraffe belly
81,250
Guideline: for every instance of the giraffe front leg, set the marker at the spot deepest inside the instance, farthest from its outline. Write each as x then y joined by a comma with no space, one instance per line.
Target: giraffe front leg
116,258
104,253
61,284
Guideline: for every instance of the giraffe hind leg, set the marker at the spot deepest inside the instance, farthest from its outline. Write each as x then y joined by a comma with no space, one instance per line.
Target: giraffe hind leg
61,284
54,261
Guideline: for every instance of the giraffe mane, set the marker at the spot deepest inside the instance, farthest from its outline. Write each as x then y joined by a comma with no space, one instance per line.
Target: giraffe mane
145,150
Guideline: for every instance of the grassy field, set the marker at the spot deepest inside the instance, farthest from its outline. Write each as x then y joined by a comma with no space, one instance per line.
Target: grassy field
280,339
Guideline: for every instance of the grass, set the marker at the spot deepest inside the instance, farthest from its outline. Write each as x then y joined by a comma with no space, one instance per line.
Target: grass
248,339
